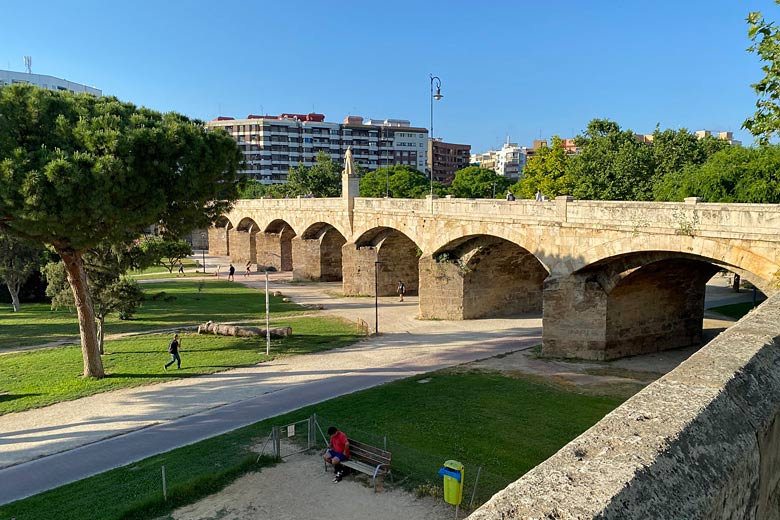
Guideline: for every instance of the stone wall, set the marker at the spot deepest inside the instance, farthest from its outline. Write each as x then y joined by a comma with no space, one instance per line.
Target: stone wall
358,265
702,442
218,241
242,247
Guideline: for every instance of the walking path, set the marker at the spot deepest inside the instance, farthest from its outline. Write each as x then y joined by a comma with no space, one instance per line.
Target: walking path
48,447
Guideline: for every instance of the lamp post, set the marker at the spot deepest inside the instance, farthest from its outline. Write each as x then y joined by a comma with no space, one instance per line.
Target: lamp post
437,96
203,237
377,264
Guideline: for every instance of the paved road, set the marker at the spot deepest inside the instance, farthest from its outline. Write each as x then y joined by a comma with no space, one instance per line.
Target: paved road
46,448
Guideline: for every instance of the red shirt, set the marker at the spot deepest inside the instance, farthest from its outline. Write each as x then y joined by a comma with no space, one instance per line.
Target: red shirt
338,442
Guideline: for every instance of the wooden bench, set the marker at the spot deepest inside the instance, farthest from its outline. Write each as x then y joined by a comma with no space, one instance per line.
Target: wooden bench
368,459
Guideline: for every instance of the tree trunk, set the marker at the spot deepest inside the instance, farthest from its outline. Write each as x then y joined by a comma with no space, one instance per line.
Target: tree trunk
100,322
77,278
13,289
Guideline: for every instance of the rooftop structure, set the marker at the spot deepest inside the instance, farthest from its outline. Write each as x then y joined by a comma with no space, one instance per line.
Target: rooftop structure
9,77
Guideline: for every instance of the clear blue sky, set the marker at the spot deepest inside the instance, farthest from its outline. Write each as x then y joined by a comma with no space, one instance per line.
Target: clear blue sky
527,69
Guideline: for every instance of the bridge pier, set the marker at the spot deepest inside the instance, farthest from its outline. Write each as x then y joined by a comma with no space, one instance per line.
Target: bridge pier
318,258
243,245
275,249
219,240
598,315
488,280
398,262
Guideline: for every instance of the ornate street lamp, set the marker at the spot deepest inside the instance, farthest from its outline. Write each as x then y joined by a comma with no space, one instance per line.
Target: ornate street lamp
437,96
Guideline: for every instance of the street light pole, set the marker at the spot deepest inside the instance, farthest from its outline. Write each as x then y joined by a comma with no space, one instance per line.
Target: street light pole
437,96
203,250
376,296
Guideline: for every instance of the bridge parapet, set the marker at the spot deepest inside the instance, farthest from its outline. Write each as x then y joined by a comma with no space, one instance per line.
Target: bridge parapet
680,218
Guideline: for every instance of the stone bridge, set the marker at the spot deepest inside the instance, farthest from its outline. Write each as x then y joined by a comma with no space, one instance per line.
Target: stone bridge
611,278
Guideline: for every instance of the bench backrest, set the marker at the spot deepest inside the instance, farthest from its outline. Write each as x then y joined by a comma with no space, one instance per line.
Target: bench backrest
368,454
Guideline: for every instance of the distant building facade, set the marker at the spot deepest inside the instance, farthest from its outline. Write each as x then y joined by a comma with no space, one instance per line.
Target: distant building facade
508,161
273,144
701,134
444,159
9,77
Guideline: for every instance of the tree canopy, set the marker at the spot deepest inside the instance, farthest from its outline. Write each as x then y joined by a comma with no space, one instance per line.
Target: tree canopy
18,260
765,35
77,170
323,179
474,182
612,164
547,171
399,181
734,174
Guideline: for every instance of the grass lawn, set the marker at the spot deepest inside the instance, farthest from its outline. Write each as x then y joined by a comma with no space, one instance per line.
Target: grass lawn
168,304
507,425
41,377
735,310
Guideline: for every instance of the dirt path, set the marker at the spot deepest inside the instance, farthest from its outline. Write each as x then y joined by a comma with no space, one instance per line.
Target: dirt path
299,488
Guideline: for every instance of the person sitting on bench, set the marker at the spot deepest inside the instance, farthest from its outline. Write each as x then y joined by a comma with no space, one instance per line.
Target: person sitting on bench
338,451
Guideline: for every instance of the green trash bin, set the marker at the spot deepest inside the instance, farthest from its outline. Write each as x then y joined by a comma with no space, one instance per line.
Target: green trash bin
452,472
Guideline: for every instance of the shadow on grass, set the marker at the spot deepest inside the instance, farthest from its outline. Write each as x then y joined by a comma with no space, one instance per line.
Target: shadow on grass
11,397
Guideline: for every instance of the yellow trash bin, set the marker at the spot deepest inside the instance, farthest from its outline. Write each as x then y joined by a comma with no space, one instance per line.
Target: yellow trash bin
453,481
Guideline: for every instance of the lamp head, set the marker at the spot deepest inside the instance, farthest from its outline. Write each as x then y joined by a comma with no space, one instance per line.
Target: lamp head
438,94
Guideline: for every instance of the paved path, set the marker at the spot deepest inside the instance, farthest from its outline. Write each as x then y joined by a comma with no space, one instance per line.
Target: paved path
48,447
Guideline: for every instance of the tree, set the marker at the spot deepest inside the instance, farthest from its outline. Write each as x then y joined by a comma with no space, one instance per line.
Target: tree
321,180
18,260
78,170
165,251
106,266
611,165
765,36
734,174
473,182
546,171
399,181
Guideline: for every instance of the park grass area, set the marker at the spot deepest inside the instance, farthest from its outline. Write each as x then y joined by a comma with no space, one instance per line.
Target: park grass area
507,425
41,377
735,310
167,305
189,263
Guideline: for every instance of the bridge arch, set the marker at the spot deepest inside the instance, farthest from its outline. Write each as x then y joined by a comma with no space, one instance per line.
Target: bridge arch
243,241
479,276
318,253
391,253
629,303
274,245
759,269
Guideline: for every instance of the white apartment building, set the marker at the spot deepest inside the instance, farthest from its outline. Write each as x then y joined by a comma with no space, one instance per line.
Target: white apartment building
273,144
8,77
509,161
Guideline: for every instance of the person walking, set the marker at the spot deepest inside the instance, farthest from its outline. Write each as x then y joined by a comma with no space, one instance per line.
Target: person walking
539,197
173,350
248,269
510,196
401,290
337,452
181,268
231,273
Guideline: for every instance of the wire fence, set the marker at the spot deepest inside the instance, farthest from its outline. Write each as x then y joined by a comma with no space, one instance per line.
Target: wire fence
417,470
